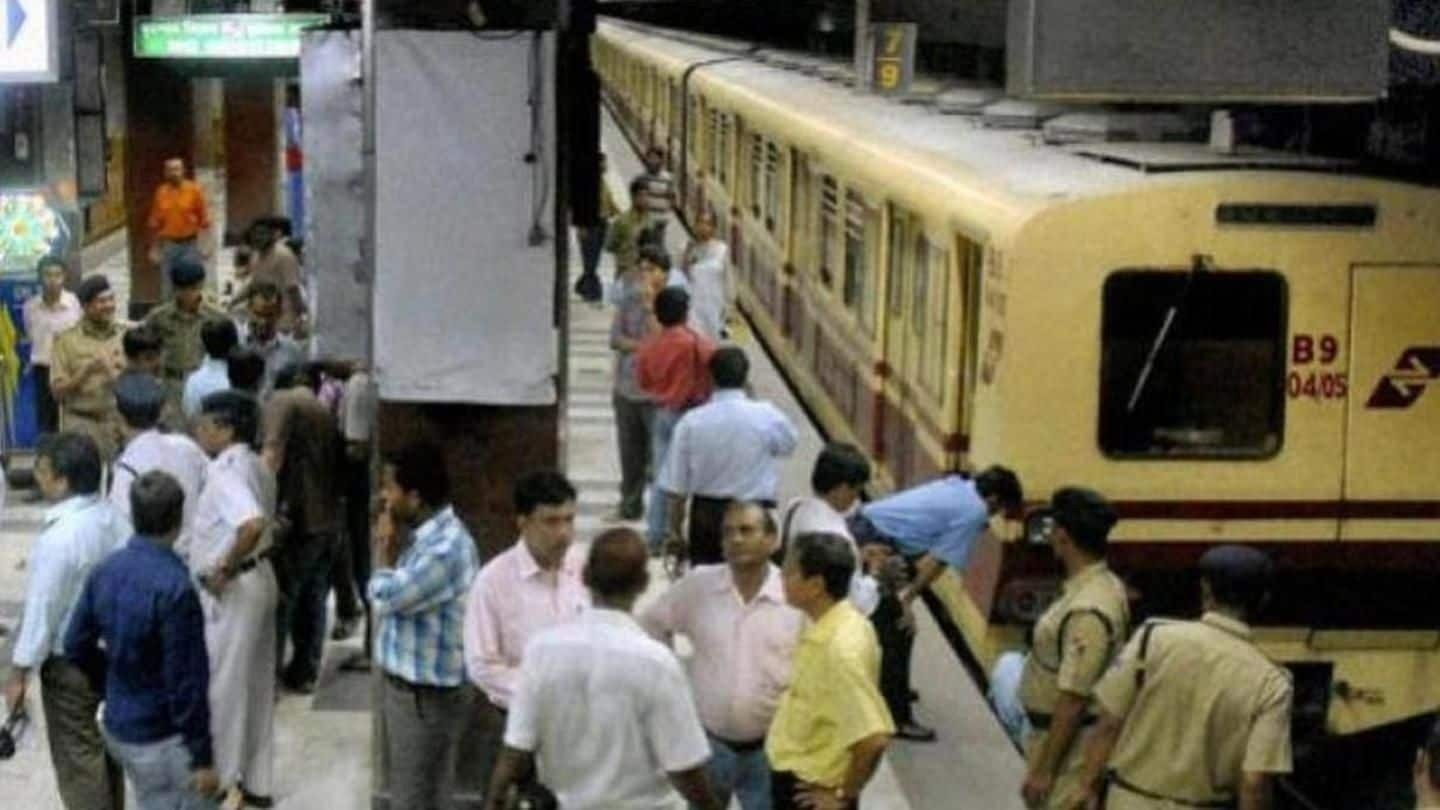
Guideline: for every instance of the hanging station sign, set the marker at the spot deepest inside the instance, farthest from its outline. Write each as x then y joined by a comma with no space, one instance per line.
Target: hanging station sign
223,36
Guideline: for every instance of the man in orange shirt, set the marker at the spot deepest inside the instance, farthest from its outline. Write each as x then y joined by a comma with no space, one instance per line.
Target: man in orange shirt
178,220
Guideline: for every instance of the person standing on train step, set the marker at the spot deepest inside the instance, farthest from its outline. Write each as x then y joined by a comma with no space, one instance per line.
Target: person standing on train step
179,221
592,242
628,231
931,526
80,530
230,556
634,322
52,311
179,322
85,361
1075,640
425,561
725,450
744,636
839,477
832,726
534,584
1427,772
659,193
140,399
603,711
1193,714
673,367
706,266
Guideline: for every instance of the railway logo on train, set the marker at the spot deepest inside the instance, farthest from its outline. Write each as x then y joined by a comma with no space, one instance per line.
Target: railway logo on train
1417,367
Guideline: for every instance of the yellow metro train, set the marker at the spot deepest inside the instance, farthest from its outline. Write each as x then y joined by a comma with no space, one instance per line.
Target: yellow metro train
1233,347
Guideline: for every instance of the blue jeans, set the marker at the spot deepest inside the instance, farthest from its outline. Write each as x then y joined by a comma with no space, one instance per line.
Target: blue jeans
160,772
662,427
1005,695
172,252
746,776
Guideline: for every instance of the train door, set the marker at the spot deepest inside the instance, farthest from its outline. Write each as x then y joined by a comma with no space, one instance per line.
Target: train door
1392,452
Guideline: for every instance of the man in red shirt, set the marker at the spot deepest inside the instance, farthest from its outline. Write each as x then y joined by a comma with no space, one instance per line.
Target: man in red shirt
673,367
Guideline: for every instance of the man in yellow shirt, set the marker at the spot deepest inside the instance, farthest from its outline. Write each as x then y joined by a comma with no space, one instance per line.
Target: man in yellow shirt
832,725
179,217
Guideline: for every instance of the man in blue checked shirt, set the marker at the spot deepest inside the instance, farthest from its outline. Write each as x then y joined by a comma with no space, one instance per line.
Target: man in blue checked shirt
418,595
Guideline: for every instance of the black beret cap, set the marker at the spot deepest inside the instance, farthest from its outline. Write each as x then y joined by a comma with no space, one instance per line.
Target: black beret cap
139,391
185,273
91,287
1238,566
1084,513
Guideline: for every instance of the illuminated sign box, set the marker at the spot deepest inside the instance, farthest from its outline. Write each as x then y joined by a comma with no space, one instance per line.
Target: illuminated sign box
29,51
222,36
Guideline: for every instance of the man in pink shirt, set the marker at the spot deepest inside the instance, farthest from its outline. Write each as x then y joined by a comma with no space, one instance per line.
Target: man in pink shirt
744,635
533,585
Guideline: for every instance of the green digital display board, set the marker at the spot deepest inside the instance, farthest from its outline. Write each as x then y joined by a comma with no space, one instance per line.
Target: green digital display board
223,36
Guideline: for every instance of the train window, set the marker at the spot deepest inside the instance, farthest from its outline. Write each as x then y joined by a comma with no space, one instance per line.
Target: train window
712,138
919,285
862,226
772,187
829,228
895,281
756,191
937,347
1193,364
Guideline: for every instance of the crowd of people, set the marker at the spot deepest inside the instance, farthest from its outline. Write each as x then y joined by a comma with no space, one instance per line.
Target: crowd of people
210,488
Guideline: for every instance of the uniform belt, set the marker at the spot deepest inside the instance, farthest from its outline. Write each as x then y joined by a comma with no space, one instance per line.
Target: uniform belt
249,563
1040,721
741,747
1220,804
408,686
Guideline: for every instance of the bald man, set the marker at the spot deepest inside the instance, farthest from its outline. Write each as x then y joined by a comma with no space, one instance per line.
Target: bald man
604,709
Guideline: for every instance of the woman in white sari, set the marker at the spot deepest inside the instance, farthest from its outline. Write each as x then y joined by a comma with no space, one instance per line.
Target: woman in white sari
706,265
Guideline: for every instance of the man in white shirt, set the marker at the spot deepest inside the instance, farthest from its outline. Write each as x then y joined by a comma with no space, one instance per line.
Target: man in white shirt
219,337
46,315
840,475
727,449
602,708
744,637
533,585
81,530
140,398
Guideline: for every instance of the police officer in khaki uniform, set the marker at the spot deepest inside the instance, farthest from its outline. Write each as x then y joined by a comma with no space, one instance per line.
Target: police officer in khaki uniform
178,323
1074,642
1193,714
86,360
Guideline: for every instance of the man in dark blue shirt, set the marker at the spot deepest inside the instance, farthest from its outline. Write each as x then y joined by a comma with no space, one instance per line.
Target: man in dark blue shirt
141,606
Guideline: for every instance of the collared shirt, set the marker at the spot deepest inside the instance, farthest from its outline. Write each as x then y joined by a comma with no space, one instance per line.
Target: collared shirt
278,265
728,448
300,430
74,349
279,351
79,532
1076,638
833,700
420,603
942,518
238,489
44,322
659,190
1212,708
673,367
743,651
179,211
180,332
512,600
212,375
173,453
357,408
633,320
812,514
141,606
607,713
624,239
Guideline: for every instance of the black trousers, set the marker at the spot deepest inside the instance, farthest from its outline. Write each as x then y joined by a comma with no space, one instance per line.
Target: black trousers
896,646
351,570
47,410
592,242
783,785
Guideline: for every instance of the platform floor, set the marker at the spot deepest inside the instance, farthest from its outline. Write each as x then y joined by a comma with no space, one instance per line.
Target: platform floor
323,740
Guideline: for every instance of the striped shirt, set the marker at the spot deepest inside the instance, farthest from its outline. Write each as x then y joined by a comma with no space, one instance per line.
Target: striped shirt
421,604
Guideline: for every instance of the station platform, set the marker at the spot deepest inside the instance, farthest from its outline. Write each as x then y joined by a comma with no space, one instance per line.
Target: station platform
323,750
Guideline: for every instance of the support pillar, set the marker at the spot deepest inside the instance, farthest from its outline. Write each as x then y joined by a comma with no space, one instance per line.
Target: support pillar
252,164
159,109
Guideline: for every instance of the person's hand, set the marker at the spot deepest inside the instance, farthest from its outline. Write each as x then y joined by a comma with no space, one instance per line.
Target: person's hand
387,538
216,581
97,365
207,253
205,781
1036,789
814,797
15,690
154,254
907,616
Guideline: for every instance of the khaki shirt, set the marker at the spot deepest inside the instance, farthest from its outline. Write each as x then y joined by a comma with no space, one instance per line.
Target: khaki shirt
74,349
180,331
624,239
1076,639
1211,708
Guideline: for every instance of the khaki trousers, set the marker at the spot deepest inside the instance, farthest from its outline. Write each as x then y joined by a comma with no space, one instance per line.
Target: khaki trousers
88,778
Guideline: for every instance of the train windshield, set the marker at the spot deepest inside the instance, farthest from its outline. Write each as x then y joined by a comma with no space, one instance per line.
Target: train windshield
1193,364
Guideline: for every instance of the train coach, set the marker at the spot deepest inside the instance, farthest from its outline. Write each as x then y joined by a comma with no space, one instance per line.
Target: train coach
1235,347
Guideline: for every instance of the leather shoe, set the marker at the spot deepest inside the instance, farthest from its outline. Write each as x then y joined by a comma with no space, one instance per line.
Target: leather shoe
914,732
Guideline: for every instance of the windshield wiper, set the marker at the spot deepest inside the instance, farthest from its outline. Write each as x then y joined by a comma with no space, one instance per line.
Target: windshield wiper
1198,264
